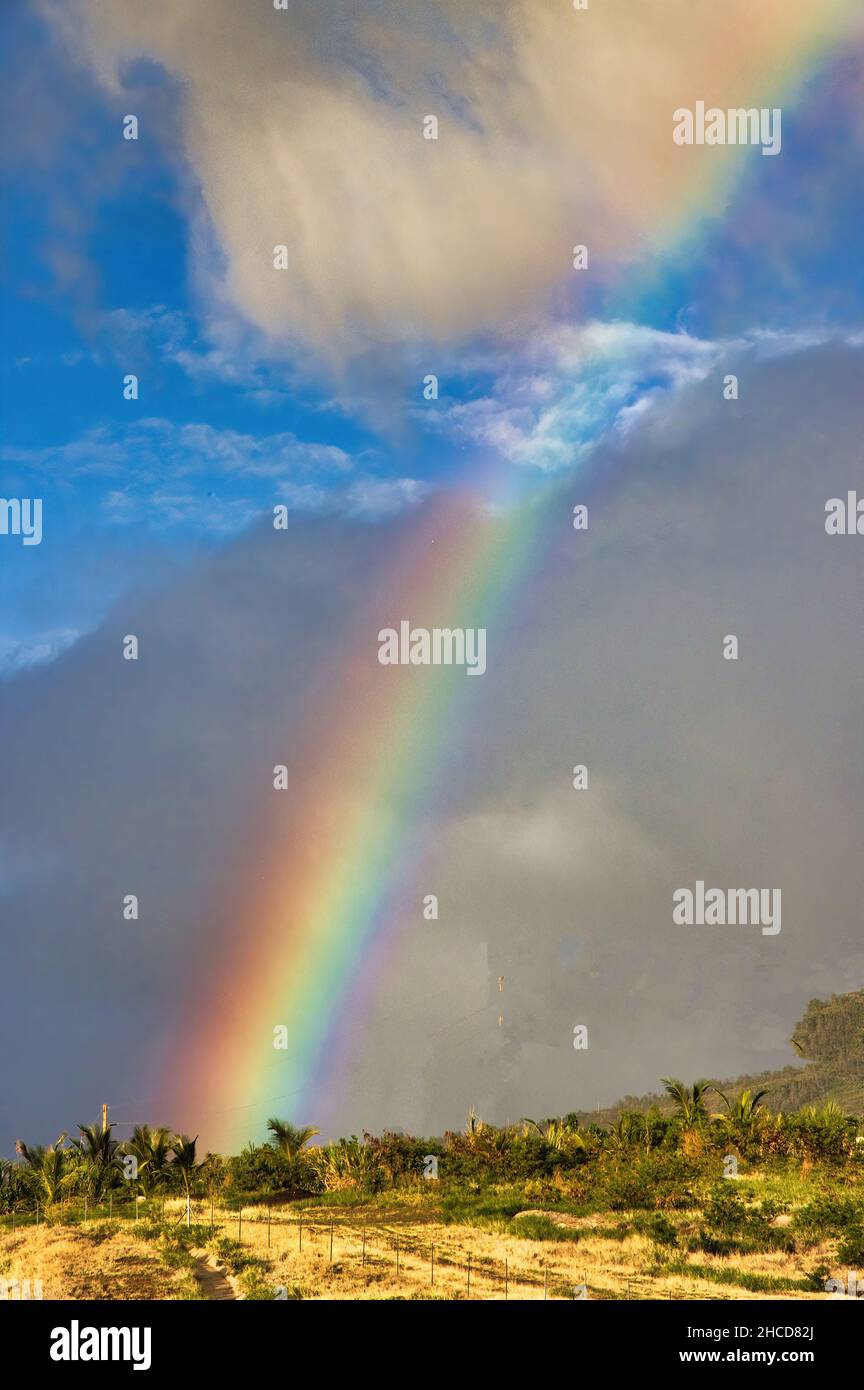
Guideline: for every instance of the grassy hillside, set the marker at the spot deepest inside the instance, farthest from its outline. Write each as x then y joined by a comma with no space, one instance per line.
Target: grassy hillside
830,1039
777,1236
105,1260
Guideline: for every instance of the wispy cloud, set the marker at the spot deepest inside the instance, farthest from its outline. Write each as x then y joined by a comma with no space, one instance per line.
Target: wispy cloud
571,388
21,656
554,127
156,449
214,480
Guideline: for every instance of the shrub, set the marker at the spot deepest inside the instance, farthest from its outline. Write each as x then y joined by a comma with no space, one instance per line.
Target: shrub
537,1227
730,1223
656,1181
261,1168
347,1163
399,1156
851,1248
658,1227
828,1215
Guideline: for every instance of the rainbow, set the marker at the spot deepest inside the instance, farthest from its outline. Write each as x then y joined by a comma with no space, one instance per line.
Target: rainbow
333,873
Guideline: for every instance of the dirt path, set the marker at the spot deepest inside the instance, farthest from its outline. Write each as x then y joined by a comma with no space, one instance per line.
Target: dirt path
216,1283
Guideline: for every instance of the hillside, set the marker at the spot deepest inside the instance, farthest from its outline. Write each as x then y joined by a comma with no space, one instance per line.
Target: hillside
830,1039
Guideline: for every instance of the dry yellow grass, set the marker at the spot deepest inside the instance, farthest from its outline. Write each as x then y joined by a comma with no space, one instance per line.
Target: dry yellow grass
115,1262
74,1263
611,1268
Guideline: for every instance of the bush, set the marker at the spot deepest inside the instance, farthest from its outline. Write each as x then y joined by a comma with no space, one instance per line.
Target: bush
658,1227
536,1227
261,1168
399,1156
851,1248
731,1224
660,1181
828,1216
347,1163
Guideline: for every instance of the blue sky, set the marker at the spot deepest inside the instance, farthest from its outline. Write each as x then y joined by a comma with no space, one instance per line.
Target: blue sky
103,278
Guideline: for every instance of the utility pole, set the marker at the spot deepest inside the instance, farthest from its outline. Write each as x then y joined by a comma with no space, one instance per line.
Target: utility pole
104,1117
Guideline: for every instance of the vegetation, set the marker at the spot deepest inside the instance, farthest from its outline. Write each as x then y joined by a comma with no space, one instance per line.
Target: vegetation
714,1185
829,1039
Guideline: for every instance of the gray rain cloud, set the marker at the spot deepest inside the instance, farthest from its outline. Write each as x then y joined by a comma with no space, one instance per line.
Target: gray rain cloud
121,777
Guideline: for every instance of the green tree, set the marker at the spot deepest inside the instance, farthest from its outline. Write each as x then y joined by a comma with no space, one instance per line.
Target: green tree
97,1155
49,1166
183,1161
689,1101
290,1139
151,1149
744,1108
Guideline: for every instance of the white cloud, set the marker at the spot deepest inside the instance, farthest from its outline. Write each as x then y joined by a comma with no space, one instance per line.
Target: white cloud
18,656
156,448
571,388
306,129
161,474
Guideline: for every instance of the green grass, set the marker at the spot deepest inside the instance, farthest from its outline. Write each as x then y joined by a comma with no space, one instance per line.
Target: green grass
541,1228
235,1256
340,1197
754,1283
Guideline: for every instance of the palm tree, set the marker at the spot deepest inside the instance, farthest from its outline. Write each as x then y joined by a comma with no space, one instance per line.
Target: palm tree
97,1151
624,1133
49,1166
150,1148
742,1110
288,1138
557,1133
184,1161
689,1101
